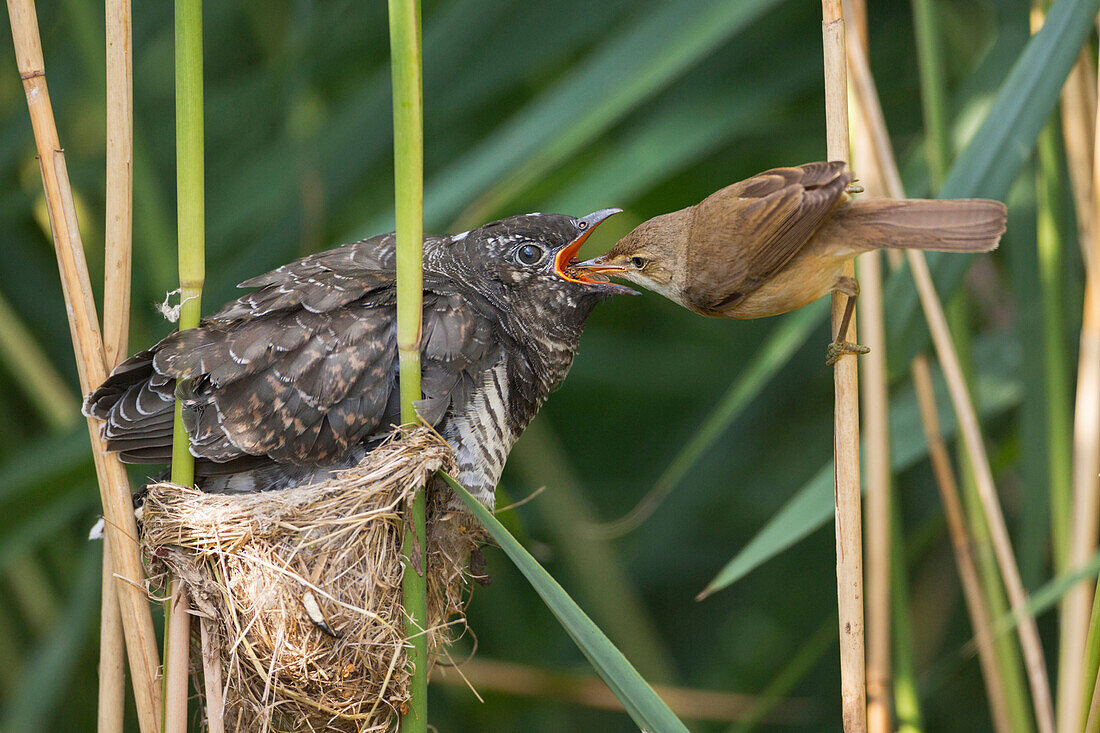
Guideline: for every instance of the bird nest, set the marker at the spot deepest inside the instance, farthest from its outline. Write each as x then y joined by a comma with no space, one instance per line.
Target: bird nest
301,588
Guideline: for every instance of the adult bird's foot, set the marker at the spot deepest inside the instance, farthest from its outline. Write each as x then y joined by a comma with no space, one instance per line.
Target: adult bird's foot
838,349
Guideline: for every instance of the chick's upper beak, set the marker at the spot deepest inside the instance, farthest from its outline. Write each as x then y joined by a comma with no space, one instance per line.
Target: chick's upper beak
563,261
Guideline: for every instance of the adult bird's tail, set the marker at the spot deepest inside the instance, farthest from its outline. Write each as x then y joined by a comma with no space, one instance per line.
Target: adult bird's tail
948,225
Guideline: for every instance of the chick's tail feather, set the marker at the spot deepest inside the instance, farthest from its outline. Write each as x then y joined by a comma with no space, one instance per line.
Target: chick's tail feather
947,225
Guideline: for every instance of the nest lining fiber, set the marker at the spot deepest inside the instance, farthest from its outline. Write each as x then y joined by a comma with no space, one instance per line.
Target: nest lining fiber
302,587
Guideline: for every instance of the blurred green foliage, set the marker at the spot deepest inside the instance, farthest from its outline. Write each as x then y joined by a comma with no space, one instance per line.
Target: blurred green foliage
567,106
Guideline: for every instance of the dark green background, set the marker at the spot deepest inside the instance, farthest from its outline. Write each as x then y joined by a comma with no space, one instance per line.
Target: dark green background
569,106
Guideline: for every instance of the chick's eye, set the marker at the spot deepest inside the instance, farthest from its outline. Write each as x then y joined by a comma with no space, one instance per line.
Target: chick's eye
639,262
530,254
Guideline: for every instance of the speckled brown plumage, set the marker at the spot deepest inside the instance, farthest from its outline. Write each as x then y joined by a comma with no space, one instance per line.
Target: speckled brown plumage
298,377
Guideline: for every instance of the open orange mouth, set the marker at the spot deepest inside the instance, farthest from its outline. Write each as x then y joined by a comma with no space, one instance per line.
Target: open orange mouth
565,263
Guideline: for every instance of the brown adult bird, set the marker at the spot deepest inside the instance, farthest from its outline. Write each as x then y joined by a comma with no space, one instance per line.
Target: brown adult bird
779,240
298,378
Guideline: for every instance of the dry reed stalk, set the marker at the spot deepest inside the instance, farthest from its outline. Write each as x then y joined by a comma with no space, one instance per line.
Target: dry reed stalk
885,172
1086,465
527,681
876,418
111,709
961,545
1092,723
1078,131
971,432
116,321
1077,603
987,491
849,540
212,679
114,488
175,664
118,225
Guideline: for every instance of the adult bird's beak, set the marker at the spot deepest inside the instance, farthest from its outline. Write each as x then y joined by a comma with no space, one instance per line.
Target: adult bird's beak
598,264
564,262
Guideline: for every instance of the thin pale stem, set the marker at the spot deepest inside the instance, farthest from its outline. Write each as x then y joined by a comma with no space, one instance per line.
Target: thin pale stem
523,680
408,128
1078,130
212,678
849,539
141,644
1086,484
178,633
970,428
111,711
1092,719
876,417
116,321
118,221
961,544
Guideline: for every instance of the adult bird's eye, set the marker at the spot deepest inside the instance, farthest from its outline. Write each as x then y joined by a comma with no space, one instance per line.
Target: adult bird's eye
530,254
639,262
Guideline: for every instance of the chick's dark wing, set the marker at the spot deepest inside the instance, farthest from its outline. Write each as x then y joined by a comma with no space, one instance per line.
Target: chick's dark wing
745,233
282,378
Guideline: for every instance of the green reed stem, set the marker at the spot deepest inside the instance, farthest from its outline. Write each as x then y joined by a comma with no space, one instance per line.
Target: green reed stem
1055,354
189,197
907,710
408,151
190,224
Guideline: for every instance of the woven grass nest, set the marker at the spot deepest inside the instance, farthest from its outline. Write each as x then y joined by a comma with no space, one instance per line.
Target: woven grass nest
301,588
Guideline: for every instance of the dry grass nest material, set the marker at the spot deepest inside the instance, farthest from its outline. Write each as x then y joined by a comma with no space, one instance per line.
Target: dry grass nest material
302,587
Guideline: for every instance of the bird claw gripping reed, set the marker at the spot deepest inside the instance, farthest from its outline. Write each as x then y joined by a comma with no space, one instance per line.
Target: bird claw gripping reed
303,586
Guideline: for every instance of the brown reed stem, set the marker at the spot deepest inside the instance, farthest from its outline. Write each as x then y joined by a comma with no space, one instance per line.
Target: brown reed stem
1092,723
849,540
987,490
1078,602
961,544
212,678
114,488
885,173
876,417
118,225
111,710
689,703
176,660
1078,132
116,321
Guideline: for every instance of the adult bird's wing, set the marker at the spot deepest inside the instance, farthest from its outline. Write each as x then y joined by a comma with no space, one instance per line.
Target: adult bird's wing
745,233
298,371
